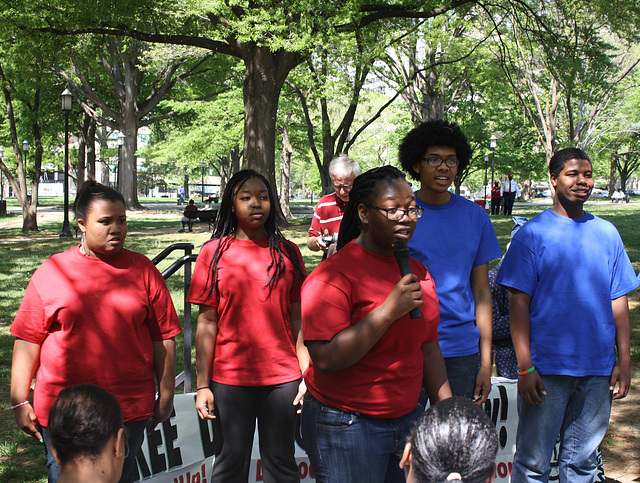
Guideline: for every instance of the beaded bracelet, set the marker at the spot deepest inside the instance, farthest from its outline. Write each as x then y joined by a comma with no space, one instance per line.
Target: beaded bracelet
18,405
528,371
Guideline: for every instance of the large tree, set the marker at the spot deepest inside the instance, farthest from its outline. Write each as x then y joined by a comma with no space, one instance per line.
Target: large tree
271,39
125,94
31,95
565,64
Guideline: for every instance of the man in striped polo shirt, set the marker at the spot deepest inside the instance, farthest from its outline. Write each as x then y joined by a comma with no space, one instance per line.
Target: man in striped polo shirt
329,210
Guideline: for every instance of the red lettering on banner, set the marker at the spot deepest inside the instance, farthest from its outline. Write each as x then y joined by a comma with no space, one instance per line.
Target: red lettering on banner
504,469
199,477
304,470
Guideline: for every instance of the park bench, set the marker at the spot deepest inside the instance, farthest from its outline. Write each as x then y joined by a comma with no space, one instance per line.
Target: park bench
205,216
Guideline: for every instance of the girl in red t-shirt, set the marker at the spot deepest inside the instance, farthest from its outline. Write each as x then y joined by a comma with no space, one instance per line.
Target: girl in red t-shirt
369,357
249,349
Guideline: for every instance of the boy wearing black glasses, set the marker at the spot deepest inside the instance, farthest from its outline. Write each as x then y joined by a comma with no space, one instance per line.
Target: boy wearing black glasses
456,241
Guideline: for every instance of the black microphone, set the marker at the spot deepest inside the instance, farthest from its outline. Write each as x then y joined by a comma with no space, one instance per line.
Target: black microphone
401,252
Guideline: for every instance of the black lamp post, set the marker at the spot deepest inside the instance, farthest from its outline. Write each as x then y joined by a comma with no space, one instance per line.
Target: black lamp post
66,108
202,184
486,165
493,143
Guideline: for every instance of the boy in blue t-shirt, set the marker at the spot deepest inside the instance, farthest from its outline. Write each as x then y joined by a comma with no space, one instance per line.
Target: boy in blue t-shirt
454,238
568,277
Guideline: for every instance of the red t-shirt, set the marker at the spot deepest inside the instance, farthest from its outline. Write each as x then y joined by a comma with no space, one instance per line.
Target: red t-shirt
344,288
96,321
255,344
327,215
495,192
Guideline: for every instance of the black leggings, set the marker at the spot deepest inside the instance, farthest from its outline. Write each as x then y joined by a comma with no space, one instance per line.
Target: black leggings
238,408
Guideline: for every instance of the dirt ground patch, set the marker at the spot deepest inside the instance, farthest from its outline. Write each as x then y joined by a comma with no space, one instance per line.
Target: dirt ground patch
621,446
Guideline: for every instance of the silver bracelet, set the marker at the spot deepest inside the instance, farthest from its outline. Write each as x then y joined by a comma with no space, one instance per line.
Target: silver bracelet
18,405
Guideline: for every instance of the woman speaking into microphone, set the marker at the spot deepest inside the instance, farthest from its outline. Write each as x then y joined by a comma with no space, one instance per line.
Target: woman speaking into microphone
369,358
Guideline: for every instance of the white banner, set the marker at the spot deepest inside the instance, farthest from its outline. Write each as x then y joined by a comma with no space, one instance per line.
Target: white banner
181,450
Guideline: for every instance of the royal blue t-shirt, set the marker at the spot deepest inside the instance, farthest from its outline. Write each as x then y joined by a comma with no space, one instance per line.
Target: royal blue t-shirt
572,269
451,239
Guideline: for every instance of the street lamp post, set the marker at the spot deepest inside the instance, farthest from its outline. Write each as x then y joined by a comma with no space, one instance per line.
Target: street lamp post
493,143
202,184
486,164
66,108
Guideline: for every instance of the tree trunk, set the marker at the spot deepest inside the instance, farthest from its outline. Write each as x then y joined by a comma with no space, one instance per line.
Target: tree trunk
83,141
91,150
613,173
265,73
287,149
128,172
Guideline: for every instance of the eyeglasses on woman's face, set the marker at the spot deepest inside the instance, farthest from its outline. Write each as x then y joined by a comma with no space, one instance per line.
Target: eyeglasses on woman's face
395,214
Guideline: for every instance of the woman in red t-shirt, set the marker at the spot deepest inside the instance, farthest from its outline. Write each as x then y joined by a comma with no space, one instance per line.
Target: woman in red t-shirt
96,313
249,349
369,358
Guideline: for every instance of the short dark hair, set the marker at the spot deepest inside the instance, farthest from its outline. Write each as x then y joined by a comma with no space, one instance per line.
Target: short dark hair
90,191
454,436
559,159
82,420
433,133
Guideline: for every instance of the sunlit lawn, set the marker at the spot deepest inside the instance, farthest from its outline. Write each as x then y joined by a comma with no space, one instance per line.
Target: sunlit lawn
21,457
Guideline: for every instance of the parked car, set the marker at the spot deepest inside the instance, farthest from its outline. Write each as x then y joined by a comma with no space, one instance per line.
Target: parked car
596,193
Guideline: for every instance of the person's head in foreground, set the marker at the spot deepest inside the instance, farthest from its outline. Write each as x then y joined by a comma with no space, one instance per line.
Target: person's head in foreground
455,440
87,434
382,210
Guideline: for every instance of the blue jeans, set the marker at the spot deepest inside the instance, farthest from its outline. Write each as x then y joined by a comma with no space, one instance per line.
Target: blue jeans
578,409
347,447
135,435
462,372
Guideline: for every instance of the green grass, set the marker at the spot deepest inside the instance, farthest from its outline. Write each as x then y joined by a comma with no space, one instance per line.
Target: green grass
21,457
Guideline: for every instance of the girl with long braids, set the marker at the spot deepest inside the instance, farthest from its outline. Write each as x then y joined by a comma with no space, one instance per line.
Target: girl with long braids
369,358
249,349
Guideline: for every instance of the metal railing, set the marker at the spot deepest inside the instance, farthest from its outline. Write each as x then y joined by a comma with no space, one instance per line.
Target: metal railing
186,260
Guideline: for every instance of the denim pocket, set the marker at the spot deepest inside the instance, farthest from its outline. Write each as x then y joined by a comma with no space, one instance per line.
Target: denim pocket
330,417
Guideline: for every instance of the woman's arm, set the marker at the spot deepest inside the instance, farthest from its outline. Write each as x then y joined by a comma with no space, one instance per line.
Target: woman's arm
622,371
25,361
530,386
434,373
164,365
301,349
206,333
484,315
351,344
